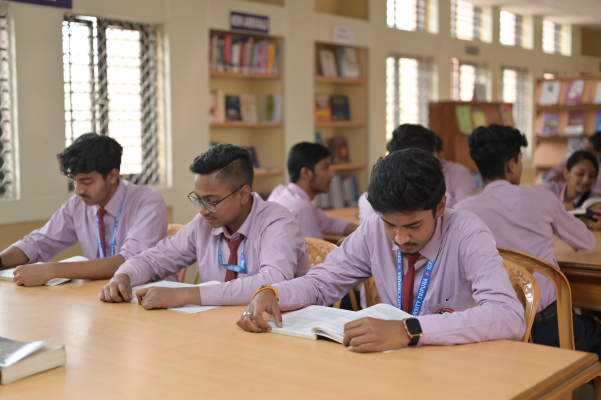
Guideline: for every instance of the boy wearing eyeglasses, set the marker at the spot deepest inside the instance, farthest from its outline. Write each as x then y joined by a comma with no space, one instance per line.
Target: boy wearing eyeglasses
237,238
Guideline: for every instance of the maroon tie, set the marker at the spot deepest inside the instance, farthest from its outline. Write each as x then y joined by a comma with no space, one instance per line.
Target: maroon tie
101,212
408,280
233,245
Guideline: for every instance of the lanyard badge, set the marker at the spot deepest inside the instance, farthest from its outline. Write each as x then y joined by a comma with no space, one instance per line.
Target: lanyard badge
113,238
423,286
240,269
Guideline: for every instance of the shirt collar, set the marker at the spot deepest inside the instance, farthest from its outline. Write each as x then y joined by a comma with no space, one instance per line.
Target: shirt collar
294,188
246,225
496,184
430,250
115,202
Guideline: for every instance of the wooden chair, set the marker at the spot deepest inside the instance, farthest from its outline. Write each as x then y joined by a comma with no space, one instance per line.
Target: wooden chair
526,288
172,229
318,251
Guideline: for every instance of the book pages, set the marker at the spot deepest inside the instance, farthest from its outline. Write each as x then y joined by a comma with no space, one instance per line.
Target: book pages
300,323
9,274
188,308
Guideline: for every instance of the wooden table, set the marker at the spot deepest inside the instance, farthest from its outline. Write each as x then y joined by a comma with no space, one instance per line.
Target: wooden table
124,351
583,272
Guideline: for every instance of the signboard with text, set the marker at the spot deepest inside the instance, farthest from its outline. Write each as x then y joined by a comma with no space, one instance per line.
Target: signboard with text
249,22
52,3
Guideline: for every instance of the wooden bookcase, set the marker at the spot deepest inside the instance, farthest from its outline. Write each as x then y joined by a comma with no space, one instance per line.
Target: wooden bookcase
444,122
265,137
551,150
355,130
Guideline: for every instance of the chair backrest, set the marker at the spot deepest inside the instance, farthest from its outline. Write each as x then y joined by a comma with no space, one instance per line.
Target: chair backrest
526,288
318,250
562,289
172,229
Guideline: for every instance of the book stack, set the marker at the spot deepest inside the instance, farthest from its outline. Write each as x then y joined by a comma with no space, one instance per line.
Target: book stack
19,360
244,55
343,193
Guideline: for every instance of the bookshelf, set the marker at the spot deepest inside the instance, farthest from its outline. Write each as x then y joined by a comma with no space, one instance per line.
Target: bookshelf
354,130
265,137
557,120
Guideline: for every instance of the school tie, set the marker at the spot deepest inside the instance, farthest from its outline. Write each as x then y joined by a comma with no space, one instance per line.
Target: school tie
101,212
408,280
233,245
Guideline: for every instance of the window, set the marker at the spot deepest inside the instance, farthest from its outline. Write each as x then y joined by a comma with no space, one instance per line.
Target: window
7,164
511,29
513,90
407,92
408,15
470,22
111,74
556,38
467,78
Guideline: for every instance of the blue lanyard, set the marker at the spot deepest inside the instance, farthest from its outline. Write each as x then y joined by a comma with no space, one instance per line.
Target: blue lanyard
113,238
240,269
423,286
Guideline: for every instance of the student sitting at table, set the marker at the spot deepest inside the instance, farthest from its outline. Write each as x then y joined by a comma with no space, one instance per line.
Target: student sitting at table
458,180
237,238
310,174
525,219
441,265
112,219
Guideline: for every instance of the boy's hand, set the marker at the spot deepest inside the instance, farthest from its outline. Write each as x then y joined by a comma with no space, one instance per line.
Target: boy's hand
162,297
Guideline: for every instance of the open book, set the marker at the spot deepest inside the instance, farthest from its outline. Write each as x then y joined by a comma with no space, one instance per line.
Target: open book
329,322
19,360
9,274
188,308
589,208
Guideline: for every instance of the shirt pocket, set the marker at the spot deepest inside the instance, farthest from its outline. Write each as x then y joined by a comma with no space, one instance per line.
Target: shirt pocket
455,303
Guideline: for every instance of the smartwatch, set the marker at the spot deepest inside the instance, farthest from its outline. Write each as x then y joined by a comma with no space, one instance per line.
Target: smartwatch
414,330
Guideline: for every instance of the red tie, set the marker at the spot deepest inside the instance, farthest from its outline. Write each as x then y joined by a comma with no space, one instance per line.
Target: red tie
233,245
408,280
101,212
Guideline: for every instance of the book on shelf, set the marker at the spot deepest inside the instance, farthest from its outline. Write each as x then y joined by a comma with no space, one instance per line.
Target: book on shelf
550,124
549,93
348,63
575,123
340,151
327,61
248,108
344,192
574,92
464,119
272,110
19,360
351,191
340,108
217,106
318,138
253,156
590,208
9,274
323,108
479,93
232,108
244,55
597,99
507,115
478,117
328,322
597,122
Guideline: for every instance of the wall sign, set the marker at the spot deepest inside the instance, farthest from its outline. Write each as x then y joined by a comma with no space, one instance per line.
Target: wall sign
475,50
342,35
249,22
52,3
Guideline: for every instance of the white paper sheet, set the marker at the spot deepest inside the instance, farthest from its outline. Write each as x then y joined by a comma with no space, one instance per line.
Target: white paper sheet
9,274
188,308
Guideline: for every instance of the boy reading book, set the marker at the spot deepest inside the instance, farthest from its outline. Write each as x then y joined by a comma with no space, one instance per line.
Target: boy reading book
237,239
310,175
525,219
112,219
440,265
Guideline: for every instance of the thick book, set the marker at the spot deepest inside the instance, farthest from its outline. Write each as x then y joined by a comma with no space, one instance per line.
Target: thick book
591,207
574,92
340,151
327,62
348,63
328,322
323,108
549,94
464,119
248,108
550,124
340,108
19,360
232,108
575,123
9,274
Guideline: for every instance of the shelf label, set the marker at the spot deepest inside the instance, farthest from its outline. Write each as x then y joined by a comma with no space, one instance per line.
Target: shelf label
249,22
342,35
52,3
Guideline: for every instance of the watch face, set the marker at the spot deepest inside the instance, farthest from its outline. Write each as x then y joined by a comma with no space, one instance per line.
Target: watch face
413,326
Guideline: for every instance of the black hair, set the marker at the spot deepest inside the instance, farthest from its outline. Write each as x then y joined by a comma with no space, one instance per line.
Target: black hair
91,152
233,163
439,144
412,136
596,141
406,181
582,155
305,154
491,147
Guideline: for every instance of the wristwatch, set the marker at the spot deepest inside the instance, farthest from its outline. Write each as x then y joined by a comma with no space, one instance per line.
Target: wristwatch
414,330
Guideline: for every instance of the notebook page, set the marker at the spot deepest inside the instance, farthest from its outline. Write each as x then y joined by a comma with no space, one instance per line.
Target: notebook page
299,323
188,308
9,274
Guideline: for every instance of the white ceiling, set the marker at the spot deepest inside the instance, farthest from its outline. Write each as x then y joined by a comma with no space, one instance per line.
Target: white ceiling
581,12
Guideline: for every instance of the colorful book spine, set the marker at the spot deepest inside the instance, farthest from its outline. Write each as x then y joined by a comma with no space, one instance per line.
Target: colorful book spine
243,55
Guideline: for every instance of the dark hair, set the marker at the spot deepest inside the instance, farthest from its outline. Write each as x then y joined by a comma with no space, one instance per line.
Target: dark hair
232,162
91,152
582,155
439,144
491,147
305,154
406,181
408,136
596,141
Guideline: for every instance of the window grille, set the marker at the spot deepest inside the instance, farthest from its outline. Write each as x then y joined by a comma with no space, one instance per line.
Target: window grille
408,15
7,162
513,90
407,92
111,74
511,29
466,20
552,35
464,78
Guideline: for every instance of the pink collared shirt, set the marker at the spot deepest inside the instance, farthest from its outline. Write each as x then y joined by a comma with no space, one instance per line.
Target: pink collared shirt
142,224
558,170
559,190
525,219
313,220
275,251
468,278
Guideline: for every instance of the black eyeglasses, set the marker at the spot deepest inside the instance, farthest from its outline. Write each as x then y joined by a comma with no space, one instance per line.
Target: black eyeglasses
211,206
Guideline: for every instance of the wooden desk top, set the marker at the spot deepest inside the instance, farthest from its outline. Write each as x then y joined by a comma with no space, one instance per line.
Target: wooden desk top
348,213
122,350
566,257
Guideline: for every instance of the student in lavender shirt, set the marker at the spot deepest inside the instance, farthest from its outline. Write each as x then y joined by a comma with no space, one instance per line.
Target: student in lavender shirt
237,239
310,175
557,174
525,219
93,163
458,179
469,297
